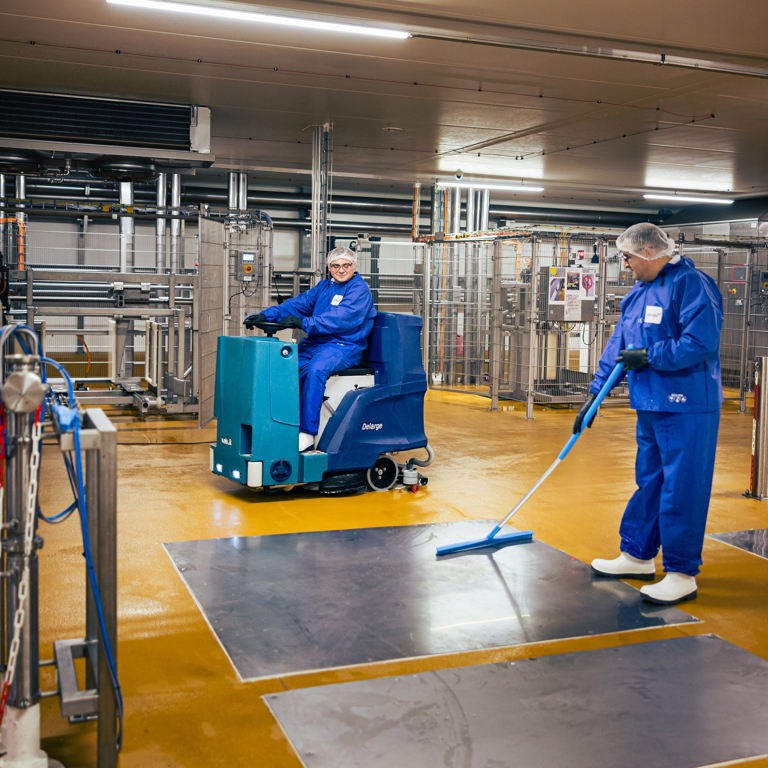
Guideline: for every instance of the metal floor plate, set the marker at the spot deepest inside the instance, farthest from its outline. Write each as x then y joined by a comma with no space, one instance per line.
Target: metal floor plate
680,703
327,599
754,540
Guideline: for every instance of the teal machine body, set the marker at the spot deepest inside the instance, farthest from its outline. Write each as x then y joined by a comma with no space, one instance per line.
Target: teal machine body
256,405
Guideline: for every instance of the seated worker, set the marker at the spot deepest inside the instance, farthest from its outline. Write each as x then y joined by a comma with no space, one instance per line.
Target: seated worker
337,315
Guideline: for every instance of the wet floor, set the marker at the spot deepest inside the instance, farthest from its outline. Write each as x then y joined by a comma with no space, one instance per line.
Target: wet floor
185,705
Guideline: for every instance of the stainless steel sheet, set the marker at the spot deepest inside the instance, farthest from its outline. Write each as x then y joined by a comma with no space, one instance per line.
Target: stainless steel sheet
754,541
679,703
325,599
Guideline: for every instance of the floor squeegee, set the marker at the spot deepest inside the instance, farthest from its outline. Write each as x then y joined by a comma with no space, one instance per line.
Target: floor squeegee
496,539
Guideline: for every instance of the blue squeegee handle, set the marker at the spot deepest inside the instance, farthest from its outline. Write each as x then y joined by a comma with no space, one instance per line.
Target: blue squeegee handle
615,373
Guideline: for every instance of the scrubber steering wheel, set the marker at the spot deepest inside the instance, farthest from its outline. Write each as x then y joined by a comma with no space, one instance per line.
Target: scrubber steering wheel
271,328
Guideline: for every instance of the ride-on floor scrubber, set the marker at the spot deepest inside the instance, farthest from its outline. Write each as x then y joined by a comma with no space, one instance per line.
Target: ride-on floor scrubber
369,412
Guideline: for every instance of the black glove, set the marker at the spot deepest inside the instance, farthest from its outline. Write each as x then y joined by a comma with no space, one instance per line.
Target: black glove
253,318
591,397
633,358
293,322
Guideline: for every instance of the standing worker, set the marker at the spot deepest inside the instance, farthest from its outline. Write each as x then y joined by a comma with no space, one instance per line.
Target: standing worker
672,319
337,315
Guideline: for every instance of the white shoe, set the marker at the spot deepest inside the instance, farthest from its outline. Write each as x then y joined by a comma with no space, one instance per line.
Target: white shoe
673,588
306,441
625,567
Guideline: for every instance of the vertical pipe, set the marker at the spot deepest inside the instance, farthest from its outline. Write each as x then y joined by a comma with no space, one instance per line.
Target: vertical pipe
470,210
532,325
21,222
457,209
321,186
484,210
242,192
25,690
232,192
162,190
126,228
175,223
416,210
3,250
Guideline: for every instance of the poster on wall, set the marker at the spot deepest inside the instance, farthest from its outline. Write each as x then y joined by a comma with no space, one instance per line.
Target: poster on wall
572,295
556,289
588,285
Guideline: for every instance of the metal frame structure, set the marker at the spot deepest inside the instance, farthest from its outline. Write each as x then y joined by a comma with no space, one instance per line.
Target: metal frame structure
97,701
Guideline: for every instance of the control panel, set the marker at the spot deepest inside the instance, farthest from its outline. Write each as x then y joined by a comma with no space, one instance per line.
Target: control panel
246,266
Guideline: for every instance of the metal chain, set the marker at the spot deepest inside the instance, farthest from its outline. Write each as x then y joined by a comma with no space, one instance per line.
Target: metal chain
19,616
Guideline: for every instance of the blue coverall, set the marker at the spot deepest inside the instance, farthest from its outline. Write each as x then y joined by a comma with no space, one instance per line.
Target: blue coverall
677,396
338,318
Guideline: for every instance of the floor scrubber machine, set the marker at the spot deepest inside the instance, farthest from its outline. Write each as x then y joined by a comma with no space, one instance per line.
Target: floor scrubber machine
369,412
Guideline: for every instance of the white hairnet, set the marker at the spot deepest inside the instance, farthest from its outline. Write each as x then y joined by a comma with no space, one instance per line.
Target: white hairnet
341,253
646,235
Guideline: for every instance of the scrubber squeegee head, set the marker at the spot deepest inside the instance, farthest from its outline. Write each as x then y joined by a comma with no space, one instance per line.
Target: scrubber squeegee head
494,538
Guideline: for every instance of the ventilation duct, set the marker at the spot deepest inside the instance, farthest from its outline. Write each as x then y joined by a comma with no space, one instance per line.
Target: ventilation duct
45,116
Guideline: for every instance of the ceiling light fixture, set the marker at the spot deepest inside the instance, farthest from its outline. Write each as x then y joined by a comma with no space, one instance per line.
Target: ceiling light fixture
262,18
681,199
492,187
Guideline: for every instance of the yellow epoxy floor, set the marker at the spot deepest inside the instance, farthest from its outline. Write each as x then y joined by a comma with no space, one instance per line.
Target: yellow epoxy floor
184,705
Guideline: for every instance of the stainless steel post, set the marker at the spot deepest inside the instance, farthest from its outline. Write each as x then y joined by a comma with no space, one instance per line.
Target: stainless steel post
426,347
758,482
175,223
602,303
162,181
101,495
495,352
745,335
532,325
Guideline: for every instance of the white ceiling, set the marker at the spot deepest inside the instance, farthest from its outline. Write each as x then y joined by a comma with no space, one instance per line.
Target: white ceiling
594,131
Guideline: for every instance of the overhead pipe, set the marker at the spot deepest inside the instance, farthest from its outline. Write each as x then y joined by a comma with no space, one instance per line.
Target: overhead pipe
343,203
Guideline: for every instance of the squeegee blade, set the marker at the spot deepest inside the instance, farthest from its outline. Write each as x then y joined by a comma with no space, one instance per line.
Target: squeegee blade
500,540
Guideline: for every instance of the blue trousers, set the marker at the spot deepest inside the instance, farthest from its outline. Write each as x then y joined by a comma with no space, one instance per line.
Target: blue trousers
674,467
316,363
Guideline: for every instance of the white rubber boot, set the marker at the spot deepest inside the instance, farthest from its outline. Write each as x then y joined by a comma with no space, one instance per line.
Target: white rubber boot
673,588
625,567
306,441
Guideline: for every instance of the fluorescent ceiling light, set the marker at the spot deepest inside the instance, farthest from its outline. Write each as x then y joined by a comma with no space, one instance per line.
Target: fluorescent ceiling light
681,199
262,18
500,187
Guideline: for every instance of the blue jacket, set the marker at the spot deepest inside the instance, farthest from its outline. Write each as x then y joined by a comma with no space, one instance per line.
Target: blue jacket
341,313
678,318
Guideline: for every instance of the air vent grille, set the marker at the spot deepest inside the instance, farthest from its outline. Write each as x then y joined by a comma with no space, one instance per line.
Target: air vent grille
94,121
